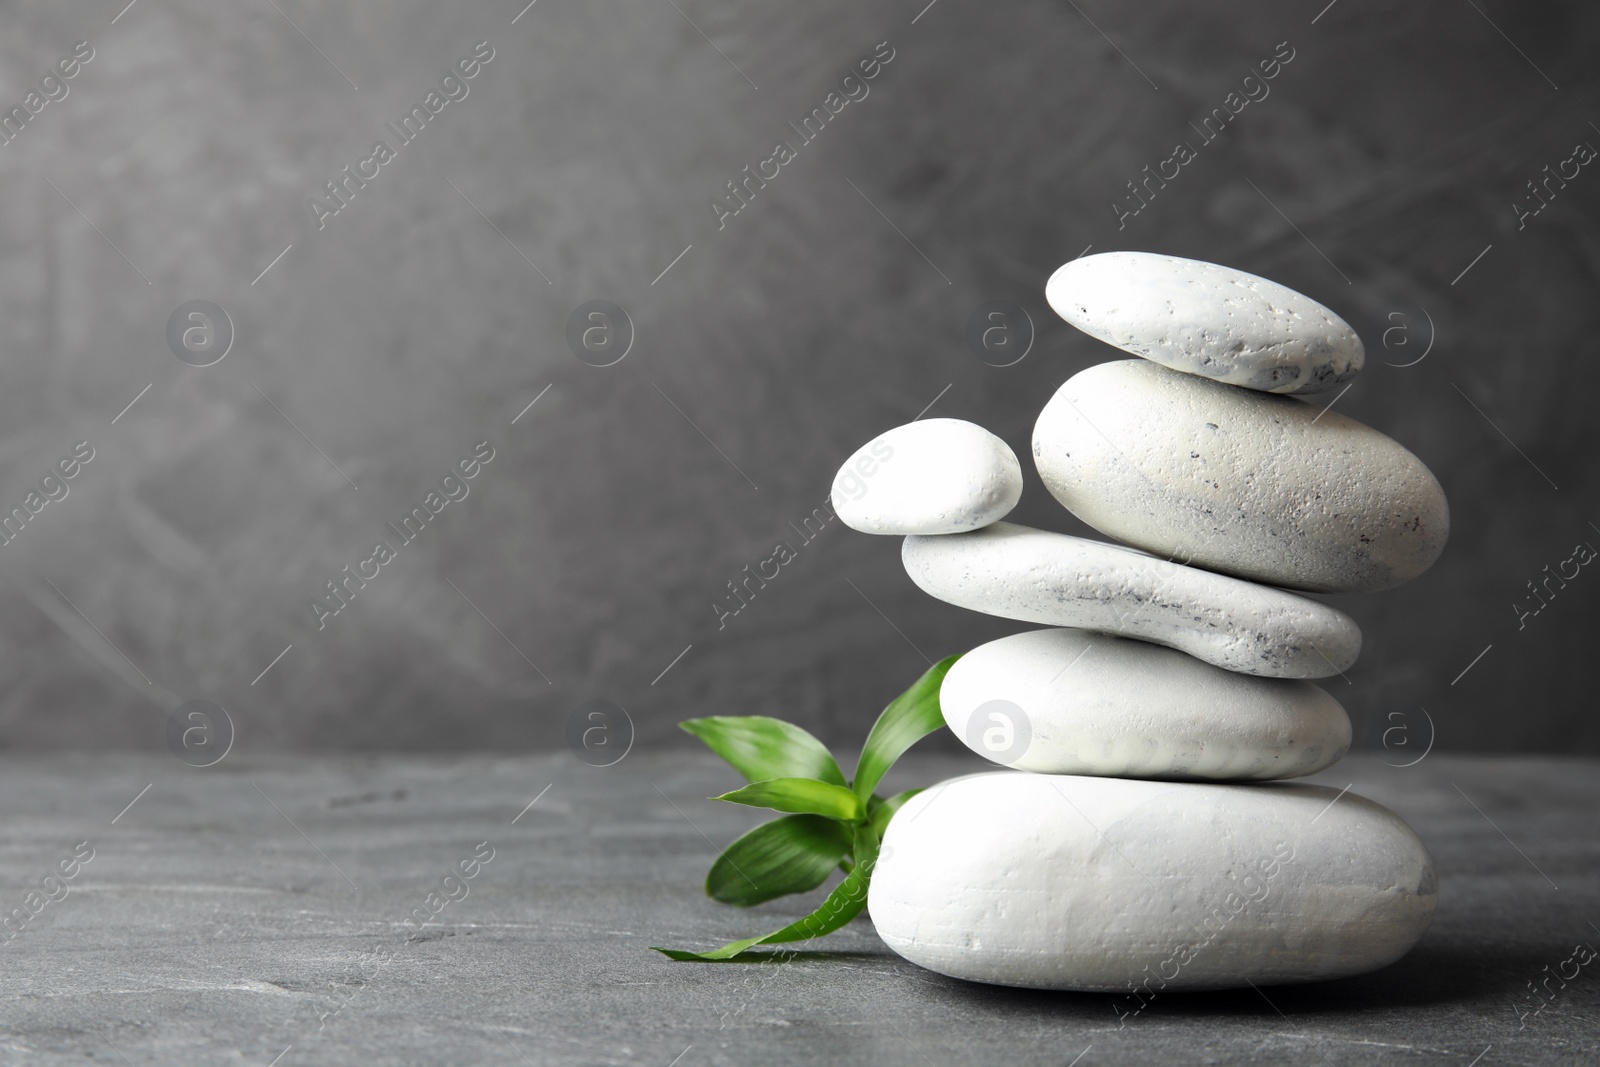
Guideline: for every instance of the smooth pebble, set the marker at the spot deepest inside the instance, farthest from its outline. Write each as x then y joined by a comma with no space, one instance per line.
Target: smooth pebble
1069,701
1056,579
1140,888
1263,487
933,476
1210,320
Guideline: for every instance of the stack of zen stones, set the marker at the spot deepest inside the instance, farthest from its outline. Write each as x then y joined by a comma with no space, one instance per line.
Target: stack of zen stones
1131,856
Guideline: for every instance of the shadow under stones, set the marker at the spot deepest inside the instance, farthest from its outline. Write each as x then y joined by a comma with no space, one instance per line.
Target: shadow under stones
1428,975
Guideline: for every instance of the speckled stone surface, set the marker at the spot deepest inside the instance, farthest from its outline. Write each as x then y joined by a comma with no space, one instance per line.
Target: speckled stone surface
1264,487
933,476
1138,888
1206,319
208,930
1065,701
1038,576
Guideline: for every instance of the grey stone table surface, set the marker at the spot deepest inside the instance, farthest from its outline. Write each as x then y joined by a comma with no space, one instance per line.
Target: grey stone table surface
255,912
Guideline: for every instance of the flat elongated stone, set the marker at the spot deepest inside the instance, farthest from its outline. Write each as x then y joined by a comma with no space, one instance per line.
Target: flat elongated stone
1205,319
1264,487
1141,888
1076,702
933,476
1031,575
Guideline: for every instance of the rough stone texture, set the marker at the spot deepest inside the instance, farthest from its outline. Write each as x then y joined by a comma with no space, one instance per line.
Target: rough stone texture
1117,886
1037,576
1206,319
1079,702
933,476
207,930
1267,488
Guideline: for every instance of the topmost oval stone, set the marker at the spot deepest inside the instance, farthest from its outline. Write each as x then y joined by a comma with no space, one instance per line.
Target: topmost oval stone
933,476
1209,320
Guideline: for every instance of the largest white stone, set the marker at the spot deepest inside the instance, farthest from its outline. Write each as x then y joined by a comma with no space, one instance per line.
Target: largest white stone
1106,884
1031,575
1264,487
1205,319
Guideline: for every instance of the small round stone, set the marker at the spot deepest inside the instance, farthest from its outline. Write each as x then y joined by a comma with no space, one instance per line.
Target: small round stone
1268,488
1146,888
933,476
1070,701
1205,319
1037,576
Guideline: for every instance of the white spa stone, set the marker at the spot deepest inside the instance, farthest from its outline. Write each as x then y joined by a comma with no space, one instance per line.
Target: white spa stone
1107,884
1201,318
1037,576
933,476
1264,487
1069,701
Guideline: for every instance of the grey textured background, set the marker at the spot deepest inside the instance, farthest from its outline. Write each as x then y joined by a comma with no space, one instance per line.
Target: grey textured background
597,540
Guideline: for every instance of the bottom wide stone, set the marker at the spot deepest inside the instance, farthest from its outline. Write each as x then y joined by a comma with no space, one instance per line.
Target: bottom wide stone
1137,887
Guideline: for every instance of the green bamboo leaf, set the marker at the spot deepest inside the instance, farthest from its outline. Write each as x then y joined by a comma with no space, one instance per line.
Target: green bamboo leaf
846,901
760,748
803,795
909,718
884,810
793,854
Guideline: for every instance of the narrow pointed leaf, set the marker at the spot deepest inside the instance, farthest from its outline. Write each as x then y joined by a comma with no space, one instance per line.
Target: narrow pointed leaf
803,795
909,718
884,810
846,901
760,748
793,854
